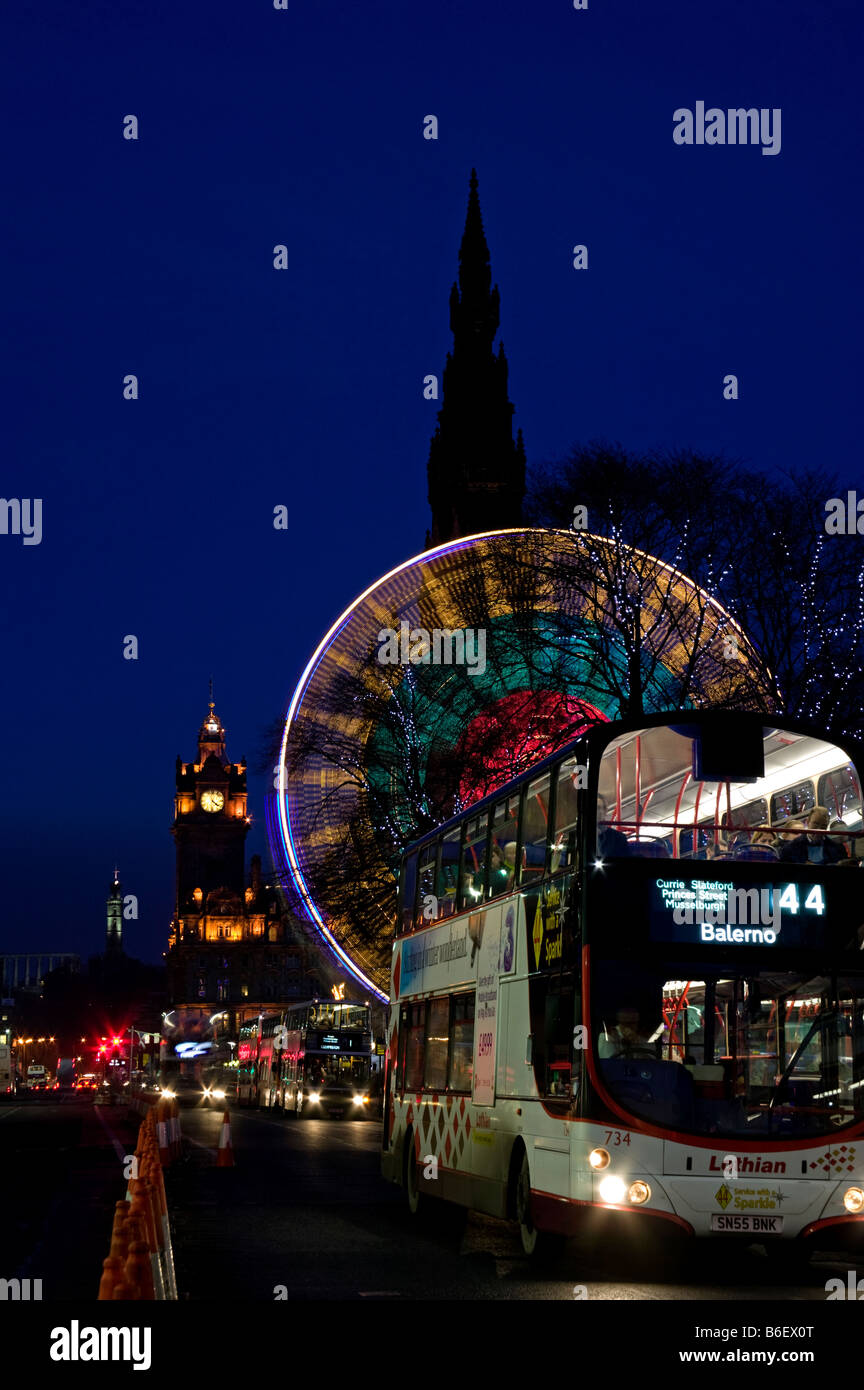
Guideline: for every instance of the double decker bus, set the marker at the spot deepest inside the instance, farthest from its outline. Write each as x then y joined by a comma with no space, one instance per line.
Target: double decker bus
315,1058
247,1059
628,988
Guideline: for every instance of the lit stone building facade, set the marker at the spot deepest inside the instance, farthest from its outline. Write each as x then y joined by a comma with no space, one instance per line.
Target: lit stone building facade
233,951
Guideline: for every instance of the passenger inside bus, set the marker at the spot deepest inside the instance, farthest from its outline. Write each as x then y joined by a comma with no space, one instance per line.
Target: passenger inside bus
611,844
500,873
814,847
628,1035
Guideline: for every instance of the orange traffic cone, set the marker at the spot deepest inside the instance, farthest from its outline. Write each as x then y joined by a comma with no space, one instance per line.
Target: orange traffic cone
124,1291
225,1156
112,1274
139,1273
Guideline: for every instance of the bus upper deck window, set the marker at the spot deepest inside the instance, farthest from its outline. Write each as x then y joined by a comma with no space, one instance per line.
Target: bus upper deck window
409,892
448,873
503,845
796,801
535,829
425,911
564,840
474,861
840,791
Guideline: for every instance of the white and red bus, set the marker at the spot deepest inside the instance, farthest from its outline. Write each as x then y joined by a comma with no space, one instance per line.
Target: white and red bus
247,1060
623,991
312,1059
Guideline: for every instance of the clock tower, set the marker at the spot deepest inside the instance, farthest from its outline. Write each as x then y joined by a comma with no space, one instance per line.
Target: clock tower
233,951
210,820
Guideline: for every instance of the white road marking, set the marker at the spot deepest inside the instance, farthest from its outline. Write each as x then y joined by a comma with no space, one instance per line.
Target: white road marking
115,1142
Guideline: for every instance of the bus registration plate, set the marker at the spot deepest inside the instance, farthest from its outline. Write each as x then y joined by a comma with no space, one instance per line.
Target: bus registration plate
766,1225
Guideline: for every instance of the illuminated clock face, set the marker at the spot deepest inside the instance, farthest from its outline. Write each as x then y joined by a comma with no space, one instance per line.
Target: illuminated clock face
212,801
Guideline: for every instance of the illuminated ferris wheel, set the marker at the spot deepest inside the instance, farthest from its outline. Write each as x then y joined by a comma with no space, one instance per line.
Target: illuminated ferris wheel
459,668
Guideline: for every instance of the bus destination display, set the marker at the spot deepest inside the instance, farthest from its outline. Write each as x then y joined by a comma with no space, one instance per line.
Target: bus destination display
696,911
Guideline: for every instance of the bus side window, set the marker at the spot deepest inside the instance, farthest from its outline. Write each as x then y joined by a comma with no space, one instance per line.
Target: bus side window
425,911
796,801
564,840
461,1043
448,873
535,830
502,852
437,1044
474,861
409,891
415,1046
552,1012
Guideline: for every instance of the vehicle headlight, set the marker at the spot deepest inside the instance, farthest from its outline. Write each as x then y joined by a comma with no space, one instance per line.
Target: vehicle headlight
218,1095
613,1189
361,1100
599,1158
638,1192
853,1199
167,1095
314,1098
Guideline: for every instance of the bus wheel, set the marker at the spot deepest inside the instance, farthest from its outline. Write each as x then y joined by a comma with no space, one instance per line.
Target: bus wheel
540,1245
416,1198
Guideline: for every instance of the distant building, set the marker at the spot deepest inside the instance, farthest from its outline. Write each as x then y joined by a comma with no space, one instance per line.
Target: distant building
233,950
476,472
114,929
27,971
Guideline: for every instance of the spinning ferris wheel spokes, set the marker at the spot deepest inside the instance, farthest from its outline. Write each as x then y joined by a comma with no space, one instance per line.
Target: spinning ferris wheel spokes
385,735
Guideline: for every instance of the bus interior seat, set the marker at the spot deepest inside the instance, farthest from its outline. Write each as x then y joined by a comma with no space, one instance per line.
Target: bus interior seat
533,861
756,853
649,849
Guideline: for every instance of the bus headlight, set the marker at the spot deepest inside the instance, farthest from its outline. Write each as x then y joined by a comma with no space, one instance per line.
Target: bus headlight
314,1098
638,1192
599,1158
612,1189
853,1199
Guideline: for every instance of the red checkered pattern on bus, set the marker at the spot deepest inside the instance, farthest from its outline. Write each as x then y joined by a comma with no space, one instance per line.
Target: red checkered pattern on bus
442,1126
837,1160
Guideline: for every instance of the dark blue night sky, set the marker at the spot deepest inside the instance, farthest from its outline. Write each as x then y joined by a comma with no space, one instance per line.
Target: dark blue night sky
304,387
